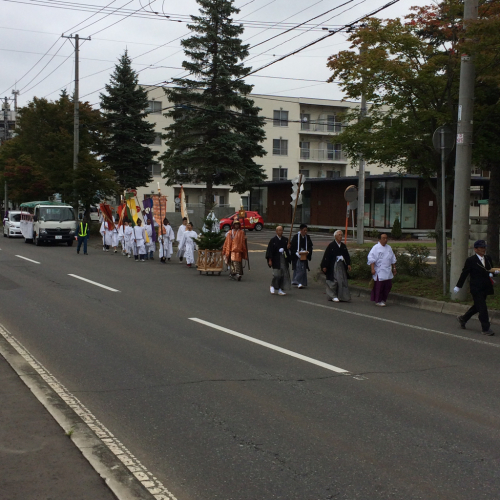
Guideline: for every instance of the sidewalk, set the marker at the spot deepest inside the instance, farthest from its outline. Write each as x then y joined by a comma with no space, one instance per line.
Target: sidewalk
38,461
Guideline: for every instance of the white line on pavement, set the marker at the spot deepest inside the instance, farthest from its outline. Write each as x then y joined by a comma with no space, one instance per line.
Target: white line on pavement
94,283
26,258
274,347
399,323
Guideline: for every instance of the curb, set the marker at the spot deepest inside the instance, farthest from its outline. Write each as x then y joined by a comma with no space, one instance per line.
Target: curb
426,304
110,459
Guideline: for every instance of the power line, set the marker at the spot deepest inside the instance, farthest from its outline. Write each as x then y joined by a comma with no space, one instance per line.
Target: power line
90,17
52,72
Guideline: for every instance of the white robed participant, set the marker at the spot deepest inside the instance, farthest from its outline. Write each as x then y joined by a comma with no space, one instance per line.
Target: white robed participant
150,245
180,232
187,246
128,232
166,241
115,237
107,236
139,237
121,238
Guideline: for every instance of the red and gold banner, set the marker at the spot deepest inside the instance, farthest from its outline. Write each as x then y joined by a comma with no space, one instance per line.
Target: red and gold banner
107,213
159,210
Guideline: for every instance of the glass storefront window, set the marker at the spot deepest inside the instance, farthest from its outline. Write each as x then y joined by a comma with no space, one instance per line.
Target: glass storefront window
393,201
378,203
409,208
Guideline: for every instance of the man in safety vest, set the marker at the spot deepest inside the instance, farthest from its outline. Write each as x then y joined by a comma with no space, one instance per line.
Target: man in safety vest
83,235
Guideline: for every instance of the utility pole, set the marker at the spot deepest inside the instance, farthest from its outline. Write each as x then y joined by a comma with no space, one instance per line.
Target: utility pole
6,136
361,173
76,124
15,93
463,163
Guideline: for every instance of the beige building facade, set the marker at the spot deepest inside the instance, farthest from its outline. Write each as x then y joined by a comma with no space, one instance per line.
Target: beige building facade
300,138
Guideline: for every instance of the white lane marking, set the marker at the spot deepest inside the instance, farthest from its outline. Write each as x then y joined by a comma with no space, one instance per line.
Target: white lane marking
26,258
149,481
94,283
274,347
399,323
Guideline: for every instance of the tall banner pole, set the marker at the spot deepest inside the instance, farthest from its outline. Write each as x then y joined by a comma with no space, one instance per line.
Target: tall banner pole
295,207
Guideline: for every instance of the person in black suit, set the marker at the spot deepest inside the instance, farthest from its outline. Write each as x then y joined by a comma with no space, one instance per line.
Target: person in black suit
335,264
278,258
301,241
481,285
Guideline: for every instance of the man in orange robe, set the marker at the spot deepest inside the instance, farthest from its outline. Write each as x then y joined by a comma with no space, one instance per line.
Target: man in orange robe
235,250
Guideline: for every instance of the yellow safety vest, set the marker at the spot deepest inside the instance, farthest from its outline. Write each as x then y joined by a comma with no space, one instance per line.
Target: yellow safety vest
83,232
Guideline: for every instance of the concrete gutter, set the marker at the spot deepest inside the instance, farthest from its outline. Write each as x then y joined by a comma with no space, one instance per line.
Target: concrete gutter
427,304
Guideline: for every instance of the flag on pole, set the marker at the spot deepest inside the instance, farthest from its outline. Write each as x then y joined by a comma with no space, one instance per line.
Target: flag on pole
184,211
160,210
108,215
148,210
296,190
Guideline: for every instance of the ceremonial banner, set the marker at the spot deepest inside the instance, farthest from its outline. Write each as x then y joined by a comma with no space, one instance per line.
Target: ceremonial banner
148,211
108,215
184,211
132,211
160,210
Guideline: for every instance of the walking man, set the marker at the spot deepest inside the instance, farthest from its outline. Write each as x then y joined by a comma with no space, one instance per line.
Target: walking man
481,285
139,237
83,235
335,264
180,232
235,250
278,258
383,266
300,244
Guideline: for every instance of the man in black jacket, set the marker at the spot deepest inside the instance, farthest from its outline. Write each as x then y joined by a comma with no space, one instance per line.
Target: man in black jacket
300,242
278,258
335,264
481,285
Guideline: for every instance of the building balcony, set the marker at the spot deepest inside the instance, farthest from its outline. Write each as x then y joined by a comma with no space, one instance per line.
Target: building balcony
322,155
320,128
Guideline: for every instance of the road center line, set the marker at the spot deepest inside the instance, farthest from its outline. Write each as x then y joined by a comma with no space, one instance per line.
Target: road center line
26,258
273,347
399,323
94,283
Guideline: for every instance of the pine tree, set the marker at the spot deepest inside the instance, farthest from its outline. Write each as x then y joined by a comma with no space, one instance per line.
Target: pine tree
217,131
210,236
124,109
396,232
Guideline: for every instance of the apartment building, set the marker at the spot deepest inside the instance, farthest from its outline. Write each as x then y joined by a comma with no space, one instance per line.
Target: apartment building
300,138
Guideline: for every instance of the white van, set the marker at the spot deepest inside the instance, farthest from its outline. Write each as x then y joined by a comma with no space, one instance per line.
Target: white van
48,222
12,224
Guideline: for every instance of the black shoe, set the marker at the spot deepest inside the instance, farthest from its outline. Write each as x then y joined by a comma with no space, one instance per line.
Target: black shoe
490,333
461,321
181,259
78,251
85,253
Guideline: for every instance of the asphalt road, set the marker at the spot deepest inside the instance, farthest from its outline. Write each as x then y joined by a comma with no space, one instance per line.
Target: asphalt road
415,415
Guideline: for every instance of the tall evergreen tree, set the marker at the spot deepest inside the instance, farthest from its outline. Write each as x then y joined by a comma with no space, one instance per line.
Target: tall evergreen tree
126,149
217,131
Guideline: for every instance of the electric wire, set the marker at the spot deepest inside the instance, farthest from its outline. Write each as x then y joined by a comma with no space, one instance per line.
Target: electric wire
90,17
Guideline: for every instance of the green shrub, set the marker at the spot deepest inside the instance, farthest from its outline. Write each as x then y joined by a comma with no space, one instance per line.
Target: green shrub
374,233
396,232
413,260
359,268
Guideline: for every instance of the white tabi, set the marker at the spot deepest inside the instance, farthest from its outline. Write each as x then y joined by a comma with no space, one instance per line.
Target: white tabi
107,234
187,246
166,242
383,257
180,232
128,232
151,246
139,237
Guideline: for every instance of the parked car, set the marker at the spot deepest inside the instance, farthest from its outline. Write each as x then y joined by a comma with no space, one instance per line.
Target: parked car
12,224
252,221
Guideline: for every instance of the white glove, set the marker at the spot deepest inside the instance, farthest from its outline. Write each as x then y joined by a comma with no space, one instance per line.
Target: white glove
497,272
456,289
282,250
491,275
297,254
339,257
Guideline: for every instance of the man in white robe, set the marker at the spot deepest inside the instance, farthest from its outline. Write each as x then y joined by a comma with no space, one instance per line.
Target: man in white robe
166,240
180,232
121,238
115,238
139,237
187,246
151,245
128,233
107,236
382,261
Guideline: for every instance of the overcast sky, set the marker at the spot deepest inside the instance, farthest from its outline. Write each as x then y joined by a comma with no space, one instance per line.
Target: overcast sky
28,30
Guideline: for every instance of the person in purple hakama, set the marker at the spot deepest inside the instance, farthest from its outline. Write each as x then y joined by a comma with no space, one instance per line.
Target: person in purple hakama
383,266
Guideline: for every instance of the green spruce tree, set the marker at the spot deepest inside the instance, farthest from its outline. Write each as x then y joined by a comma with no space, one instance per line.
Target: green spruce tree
216,130
210,237
126,149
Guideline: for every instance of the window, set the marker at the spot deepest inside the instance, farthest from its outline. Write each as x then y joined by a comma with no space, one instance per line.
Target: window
333,125
155,169
334,151
305,173
305,121
305,150
280,174
154,107
280,118
157,141
332,174
280,147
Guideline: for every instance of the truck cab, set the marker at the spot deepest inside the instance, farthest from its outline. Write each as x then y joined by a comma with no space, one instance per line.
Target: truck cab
48,222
